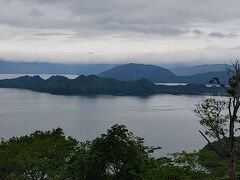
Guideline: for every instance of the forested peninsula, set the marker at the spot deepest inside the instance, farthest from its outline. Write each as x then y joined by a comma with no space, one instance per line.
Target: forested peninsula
95,85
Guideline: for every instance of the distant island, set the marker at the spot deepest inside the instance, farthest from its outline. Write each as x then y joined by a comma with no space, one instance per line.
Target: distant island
94,85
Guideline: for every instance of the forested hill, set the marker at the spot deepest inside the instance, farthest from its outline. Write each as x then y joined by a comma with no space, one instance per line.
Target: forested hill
132,71
129,72
94,85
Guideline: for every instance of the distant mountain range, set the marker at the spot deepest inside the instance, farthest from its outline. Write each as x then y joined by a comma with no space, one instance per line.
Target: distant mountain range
200,74
8,67
130,72
198,69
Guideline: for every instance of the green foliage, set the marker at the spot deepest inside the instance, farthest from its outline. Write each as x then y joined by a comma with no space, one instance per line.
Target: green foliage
212,118
177,167
215,164
115,155
118,155
42,155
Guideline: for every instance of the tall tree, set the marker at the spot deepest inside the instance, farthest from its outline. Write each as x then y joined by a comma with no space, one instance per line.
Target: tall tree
220,118
118,155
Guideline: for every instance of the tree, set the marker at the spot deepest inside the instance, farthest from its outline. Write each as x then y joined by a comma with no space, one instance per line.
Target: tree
119,155
41,155
178,166
115,155
215,164
220,117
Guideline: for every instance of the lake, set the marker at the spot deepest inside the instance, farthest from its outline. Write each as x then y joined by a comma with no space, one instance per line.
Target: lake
163,120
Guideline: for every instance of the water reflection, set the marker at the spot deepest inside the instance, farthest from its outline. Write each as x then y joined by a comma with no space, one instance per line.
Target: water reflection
163,120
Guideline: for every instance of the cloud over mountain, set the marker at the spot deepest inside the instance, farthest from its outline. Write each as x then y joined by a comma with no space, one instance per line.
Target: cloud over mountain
42,29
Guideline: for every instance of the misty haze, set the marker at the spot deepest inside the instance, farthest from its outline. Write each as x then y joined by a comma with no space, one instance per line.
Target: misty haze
119,90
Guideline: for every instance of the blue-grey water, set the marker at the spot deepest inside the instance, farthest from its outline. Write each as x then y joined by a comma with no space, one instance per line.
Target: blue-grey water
163,120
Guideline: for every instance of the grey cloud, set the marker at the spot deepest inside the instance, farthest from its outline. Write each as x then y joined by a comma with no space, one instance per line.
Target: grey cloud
147,28
164,25
198,32
222,35
163,17
35,12
234,48
214,34
52,34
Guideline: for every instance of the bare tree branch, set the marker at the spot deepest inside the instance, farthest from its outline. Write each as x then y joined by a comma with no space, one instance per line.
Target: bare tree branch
213,148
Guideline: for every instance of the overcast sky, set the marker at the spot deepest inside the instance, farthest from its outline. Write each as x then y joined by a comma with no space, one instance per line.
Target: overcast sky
119,31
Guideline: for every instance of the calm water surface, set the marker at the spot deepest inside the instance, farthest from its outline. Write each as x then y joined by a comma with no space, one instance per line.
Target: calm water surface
163,120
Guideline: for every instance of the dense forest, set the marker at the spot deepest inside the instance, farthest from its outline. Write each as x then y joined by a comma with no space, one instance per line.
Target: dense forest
117,154
94,85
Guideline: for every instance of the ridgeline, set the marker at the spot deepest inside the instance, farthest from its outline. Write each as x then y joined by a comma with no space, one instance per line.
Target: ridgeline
94,85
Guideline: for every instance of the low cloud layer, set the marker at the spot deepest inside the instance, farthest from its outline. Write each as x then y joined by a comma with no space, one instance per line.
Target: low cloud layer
149,31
